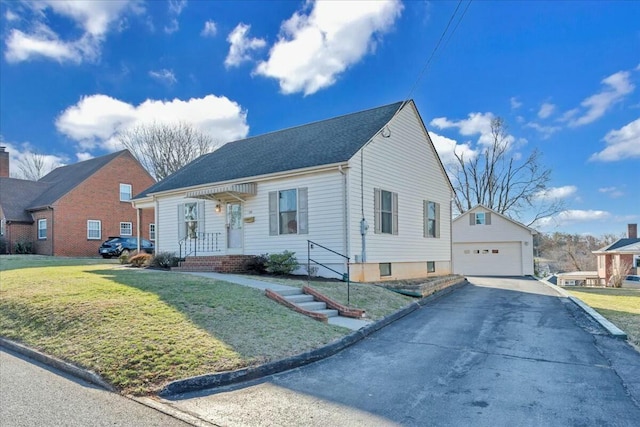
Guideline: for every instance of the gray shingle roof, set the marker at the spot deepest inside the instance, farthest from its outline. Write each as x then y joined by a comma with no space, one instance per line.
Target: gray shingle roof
18,194
620,244
321,143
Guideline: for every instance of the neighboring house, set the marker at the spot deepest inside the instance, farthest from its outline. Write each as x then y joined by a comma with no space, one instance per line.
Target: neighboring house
71,210
486,243
620,258
374,171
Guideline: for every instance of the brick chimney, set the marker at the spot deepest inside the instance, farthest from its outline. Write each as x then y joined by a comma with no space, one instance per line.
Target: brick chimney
4,162
632,231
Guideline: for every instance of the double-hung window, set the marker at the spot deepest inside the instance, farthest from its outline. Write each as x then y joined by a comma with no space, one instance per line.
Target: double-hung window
385,211
42,229
152,232
125,192
126,229
431,219
480,218
94,230
288,211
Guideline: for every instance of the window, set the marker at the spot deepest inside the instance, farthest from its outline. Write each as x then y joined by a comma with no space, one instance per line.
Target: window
126,229
495,251
431,219
385,269
42,229
2,226
152,232
288,211
125,192
480,218
191,220
94,230
431,266
386,211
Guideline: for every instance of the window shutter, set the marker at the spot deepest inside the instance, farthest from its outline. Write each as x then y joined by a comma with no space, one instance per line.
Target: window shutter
201,216
472,219
273,213
487,218
437,220
303,211
425,218
395,213
376,211
181,226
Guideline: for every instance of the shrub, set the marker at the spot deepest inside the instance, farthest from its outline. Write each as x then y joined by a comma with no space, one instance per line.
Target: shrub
3,245
165,260
141,260
256,264
124,258
284,263
23,247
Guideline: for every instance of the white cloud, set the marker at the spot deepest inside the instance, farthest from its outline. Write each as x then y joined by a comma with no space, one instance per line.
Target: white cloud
315,46
210,29
164,76
476,124
556,193
241,45
84,156
546,131
623,143
95,18
95,120
515,103
10,16
175,9
568,217
446,147
546,110
612,192
617,86
22,152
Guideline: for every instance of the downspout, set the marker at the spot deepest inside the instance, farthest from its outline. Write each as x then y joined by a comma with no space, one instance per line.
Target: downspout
53,230
363,221
345,218
138,228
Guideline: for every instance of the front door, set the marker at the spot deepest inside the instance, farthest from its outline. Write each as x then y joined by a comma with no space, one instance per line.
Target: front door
234,227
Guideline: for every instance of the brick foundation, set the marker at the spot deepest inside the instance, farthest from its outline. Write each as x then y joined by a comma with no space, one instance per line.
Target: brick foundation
218,264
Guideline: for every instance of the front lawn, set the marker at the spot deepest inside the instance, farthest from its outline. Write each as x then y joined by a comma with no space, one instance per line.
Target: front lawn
621,306
140,329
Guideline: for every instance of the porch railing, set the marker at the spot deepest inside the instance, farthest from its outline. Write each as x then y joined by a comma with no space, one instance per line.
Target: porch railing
345,277
201,242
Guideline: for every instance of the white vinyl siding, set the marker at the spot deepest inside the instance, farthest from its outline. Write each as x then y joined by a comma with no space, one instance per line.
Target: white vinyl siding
94,229
126,229
405,163
42,229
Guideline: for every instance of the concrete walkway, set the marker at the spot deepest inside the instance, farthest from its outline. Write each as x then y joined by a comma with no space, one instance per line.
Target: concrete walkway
345,322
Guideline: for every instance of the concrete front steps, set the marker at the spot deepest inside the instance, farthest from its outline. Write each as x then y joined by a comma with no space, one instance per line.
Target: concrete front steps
311,303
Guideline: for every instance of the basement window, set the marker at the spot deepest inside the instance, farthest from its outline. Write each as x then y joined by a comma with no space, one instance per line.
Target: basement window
431,266
385,269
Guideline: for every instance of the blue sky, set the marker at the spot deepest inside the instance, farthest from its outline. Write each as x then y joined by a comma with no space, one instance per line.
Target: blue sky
563,75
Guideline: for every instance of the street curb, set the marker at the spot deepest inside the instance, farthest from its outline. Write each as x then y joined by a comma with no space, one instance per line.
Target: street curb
208,381
61,365
611,329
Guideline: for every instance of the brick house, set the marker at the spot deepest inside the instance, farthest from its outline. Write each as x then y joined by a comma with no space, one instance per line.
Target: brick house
621,257
74,208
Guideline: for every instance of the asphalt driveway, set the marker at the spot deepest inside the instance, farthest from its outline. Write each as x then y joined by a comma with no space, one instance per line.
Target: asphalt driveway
499,351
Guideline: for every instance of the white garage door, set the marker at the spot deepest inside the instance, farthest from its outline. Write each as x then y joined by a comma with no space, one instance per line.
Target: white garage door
488,259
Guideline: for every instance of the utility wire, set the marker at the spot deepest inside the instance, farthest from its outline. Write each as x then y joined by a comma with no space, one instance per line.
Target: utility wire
437,46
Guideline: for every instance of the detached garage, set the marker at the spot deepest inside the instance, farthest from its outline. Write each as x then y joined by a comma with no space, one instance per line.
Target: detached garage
486,243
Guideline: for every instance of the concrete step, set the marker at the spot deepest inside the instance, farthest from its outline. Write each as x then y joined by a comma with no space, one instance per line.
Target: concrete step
313,306
297,299
328,312
288,292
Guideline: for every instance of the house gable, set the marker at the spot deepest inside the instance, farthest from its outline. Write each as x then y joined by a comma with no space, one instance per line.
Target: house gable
494,227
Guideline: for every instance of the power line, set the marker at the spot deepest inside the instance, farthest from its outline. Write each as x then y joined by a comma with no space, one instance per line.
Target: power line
437,46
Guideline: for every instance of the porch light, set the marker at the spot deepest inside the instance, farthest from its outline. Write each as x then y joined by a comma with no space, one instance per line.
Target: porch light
218,208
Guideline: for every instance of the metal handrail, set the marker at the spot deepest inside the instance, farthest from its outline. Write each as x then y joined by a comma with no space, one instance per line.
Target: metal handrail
311,245
203,242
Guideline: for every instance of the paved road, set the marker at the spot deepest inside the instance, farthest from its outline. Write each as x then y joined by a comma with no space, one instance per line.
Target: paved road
497,352
34,395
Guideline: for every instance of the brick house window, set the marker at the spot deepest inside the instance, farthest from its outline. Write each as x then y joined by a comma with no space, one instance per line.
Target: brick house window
42,229
125,192
126,229
152,232
94,229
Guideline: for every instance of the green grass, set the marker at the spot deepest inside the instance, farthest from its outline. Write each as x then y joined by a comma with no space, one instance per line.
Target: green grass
140,329
13,262
619,305
377,302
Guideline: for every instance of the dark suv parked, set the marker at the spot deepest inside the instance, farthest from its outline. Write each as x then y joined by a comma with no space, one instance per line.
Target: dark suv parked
116,246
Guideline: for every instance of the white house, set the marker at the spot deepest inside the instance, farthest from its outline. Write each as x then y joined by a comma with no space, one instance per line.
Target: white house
486,243
368,185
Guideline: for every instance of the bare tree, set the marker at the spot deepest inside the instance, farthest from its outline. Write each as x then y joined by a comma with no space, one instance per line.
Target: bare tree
502,182
163,148
619,272
34,166
570,252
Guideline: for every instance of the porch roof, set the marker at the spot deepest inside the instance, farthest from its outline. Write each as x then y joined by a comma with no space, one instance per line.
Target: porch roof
219,191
